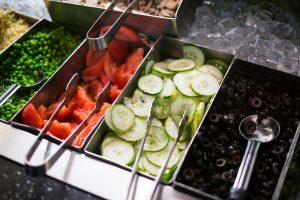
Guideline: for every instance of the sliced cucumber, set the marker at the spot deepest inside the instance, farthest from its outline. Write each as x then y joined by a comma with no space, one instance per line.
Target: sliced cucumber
161,69
110,136
161,108
181,145
157,139
169,88
180,65
210,69
172,129
149,167
140,103
158,158
194,53
205,84
200,109
178,106
221,65
148,67
136,133
151,84
108,119
156,122
122,117
183,82
119,151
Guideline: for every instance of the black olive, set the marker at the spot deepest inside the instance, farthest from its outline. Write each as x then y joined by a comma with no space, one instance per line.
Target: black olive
271,98
241,87
221,162
188,174
278,149
229,103
214,117
260,167
227,176
230,91
274,106
256,102
218,141
205,142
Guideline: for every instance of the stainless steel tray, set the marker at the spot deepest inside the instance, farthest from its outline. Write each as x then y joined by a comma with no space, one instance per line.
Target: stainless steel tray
257,73
165,47
154,26
36,27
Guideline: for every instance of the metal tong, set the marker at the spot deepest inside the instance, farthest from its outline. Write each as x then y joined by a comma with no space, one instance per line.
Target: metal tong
15,87
181,126
139,153
100,42
47,163
182,122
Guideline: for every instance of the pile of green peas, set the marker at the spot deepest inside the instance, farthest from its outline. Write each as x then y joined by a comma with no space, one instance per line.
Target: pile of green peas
42,51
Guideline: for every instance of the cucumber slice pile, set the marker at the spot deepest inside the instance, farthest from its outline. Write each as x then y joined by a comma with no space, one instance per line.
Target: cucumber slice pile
173,85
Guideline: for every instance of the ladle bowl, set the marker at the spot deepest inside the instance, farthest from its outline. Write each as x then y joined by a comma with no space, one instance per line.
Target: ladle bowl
256,131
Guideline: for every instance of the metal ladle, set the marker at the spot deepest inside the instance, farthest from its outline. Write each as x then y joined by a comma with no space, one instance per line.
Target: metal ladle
10,91
256,132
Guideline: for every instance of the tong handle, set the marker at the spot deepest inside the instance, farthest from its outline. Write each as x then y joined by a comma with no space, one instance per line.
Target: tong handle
182,123
139,153
8,93
41,168
98,43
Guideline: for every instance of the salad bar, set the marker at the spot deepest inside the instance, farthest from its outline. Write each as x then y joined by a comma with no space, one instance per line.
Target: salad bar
149,104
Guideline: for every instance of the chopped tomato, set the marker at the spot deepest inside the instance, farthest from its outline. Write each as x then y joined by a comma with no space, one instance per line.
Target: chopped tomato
134,60
109,67
93,71
104,79
50,110
114,93
60,130
122,76
42,111
124,33
66,111
104,108
81,96
119,50
93,56
31,116
95,87
81,112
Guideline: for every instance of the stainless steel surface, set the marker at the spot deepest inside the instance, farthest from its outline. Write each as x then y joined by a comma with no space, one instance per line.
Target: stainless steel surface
134,169
165,47
78,170
14,88
163,167
153,26
100,42
42,167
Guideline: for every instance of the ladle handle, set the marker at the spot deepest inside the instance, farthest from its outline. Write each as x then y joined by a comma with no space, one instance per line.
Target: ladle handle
240,186
8,93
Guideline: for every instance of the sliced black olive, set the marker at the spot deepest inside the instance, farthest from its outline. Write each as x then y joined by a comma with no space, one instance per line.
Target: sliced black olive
236,159
214,117
272,98
278,149
256,102
229,103
230,91
205,142
240,86
226,176
260,167
221,162
274,106
250,127
188,174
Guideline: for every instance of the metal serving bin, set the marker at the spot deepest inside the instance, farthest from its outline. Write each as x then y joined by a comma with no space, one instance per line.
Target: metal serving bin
43,23
165,47
84,16
267,92
55,86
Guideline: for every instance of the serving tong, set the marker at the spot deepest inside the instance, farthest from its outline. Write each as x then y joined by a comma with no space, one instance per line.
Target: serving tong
15,87
100,42
182,122
42,167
